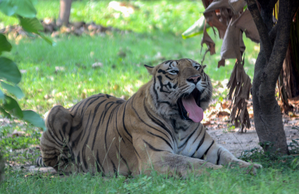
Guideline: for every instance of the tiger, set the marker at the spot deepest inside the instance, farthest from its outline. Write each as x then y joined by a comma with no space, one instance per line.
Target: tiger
159,128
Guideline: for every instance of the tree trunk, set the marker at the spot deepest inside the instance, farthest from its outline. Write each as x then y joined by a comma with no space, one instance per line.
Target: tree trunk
274,43
64,12
289,77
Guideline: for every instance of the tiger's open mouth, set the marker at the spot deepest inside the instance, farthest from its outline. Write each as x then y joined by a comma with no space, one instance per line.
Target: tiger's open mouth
189,108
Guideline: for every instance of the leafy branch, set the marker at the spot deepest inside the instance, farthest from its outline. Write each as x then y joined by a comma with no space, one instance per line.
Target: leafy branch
10,75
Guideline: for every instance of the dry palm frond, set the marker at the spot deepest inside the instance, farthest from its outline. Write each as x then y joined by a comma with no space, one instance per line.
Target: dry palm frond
229,18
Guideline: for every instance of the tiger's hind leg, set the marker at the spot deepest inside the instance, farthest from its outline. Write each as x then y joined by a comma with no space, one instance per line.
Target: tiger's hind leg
54,143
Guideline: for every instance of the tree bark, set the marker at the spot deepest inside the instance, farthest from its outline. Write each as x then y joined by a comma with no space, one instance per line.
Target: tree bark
274,43
289,77
64,12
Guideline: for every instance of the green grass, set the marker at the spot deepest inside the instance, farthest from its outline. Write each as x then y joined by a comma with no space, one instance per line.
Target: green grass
218,181
156,27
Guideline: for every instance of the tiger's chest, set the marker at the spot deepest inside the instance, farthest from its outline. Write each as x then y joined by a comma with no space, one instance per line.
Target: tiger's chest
186,133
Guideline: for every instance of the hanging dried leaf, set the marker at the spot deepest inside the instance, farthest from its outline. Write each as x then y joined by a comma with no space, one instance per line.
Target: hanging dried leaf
213,21
206,39
239,87
236,5
217,4
227,17
221,63
245,23
232,45
206,3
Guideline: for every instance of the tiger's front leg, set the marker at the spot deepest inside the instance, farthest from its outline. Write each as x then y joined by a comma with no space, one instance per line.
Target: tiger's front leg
212,152
229,159
153,155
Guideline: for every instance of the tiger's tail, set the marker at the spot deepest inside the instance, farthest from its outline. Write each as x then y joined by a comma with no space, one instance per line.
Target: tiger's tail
39,162
54,145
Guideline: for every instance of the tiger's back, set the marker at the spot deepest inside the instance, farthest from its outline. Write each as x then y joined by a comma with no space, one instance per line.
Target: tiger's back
93,136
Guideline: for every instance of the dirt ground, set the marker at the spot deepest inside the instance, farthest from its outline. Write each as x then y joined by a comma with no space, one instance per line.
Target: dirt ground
237,142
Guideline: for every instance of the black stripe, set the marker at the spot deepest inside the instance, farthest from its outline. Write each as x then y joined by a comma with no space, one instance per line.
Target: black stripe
102,118
155,91
198,133
76,107
126,163
64,127
114,168
148,124
161,138
92,99
168,61
106,109
175,85
162,71
202,157
218,156
107,125
54,139
75,128
165,102
162,85
187,139
95,111
116,125
123,121
84,157
50,158
61,136
78,158
200,143
136,152
152,147
157,121
86,126
76,141
99,165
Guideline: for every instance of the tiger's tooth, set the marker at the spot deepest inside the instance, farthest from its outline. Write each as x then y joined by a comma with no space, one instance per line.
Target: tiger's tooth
187,114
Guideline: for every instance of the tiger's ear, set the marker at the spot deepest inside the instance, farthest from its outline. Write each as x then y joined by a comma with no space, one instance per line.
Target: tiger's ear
150,69
204,66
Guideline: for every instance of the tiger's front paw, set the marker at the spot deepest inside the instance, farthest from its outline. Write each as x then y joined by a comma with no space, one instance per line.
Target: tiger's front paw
251,167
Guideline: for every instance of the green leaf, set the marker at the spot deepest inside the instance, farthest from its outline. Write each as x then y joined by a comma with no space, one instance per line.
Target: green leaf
15,90
48,40
1,95
7,7
12,106
4,44
9,71
4,113
33,118
31,24
196,29
23,8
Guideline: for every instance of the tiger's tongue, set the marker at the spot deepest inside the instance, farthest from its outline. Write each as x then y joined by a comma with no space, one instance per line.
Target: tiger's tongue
195,112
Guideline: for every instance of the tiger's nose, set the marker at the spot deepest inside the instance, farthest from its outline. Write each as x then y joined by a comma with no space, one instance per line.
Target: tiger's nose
194,79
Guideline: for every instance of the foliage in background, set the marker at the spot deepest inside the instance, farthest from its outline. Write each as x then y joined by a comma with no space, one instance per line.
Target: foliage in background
147,16
10,75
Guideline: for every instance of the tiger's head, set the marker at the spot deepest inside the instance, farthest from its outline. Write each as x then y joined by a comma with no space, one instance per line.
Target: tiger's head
180,88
